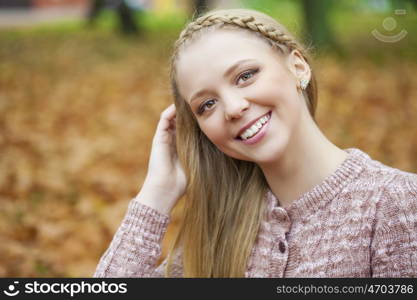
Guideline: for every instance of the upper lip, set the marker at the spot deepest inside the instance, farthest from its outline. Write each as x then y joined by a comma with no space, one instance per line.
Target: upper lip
242,130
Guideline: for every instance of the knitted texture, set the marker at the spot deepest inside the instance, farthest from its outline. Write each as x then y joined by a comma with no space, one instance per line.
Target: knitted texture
361,221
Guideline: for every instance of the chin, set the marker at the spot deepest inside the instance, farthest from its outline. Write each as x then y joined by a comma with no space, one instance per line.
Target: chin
264,155
269,151
272,151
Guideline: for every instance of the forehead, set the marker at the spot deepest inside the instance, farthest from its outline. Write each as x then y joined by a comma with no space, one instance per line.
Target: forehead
208,56
222,45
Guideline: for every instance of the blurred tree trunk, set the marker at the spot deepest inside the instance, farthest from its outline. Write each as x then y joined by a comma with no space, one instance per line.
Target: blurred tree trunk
95,7
200,6
127,17
317,27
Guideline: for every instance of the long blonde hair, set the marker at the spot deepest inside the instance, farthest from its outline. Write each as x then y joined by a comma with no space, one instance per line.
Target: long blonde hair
225,199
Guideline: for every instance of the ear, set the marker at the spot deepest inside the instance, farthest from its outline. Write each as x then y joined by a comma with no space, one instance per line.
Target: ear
298,66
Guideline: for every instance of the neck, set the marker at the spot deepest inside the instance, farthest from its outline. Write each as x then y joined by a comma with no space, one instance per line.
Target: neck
306,161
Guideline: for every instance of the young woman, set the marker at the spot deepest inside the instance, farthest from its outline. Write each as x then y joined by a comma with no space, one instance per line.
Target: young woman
267,194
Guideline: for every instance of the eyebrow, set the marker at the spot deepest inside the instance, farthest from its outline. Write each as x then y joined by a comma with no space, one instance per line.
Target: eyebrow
226,74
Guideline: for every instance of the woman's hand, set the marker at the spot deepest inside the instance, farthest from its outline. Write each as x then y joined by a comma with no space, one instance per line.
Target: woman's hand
165,181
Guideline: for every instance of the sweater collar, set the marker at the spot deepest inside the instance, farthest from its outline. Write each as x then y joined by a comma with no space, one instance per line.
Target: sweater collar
329,188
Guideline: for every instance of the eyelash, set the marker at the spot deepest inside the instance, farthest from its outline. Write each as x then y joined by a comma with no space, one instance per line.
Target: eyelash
201,109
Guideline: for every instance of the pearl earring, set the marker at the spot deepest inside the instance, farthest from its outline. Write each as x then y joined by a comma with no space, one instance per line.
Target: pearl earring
303,83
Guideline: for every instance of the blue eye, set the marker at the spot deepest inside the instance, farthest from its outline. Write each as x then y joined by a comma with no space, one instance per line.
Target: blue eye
247,75
206,104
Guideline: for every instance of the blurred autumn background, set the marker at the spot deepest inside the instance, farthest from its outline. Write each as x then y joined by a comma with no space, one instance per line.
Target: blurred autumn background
82,84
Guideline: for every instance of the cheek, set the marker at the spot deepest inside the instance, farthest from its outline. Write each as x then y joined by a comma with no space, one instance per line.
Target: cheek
282,96
275,90
219,137
213,131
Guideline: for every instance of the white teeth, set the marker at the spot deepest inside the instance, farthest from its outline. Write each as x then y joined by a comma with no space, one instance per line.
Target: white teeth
254,128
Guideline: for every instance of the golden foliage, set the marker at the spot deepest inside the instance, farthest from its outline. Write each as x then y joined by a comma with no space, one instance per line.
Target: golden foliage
78,113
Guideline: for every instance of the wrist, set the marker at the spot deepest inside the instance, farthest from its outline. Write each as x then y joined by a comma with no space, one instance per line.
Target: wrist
160,190
156,198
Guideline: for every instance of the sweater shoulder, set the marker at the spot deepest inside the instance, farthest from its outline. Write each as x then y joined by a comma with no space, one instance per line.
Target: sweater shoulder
387,179
389,190
375,166
396,190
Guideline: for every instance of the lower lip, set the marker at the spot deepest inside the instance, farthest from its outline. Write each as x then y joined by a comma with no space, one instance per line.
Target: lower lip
259,135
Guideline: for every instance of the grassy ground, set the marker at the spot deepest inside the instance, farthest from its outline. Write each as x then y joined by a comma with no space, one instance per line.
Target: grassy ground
78,108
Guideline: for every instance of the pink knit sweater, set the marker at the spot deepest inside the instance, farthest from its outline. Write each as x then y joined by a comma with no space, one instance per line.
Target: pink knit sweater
361,221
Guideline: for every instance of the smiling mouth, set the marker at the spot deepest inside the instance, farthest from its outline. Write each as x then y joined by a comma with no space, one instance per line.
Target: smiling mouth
255,128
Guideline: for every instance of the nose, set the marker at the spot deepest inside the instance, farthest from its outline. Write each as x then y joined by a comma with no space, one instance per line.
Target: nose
234,108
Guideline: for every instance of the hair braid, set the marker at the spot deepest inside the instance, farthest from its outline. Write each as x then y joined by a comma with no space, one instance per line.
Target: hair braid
248,22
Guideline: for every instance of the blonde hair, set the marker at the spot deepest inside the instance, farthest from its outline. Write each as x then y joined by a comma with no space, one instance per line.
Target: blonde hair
225,199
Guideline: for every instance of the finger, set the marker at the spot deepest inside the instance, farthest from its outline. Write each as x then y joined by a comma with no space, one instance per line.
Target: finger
169,112
166,117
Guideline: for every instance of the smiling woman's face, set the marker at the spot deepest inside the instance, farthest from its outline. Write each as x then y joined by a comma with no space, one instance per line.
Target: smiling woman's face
234,79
